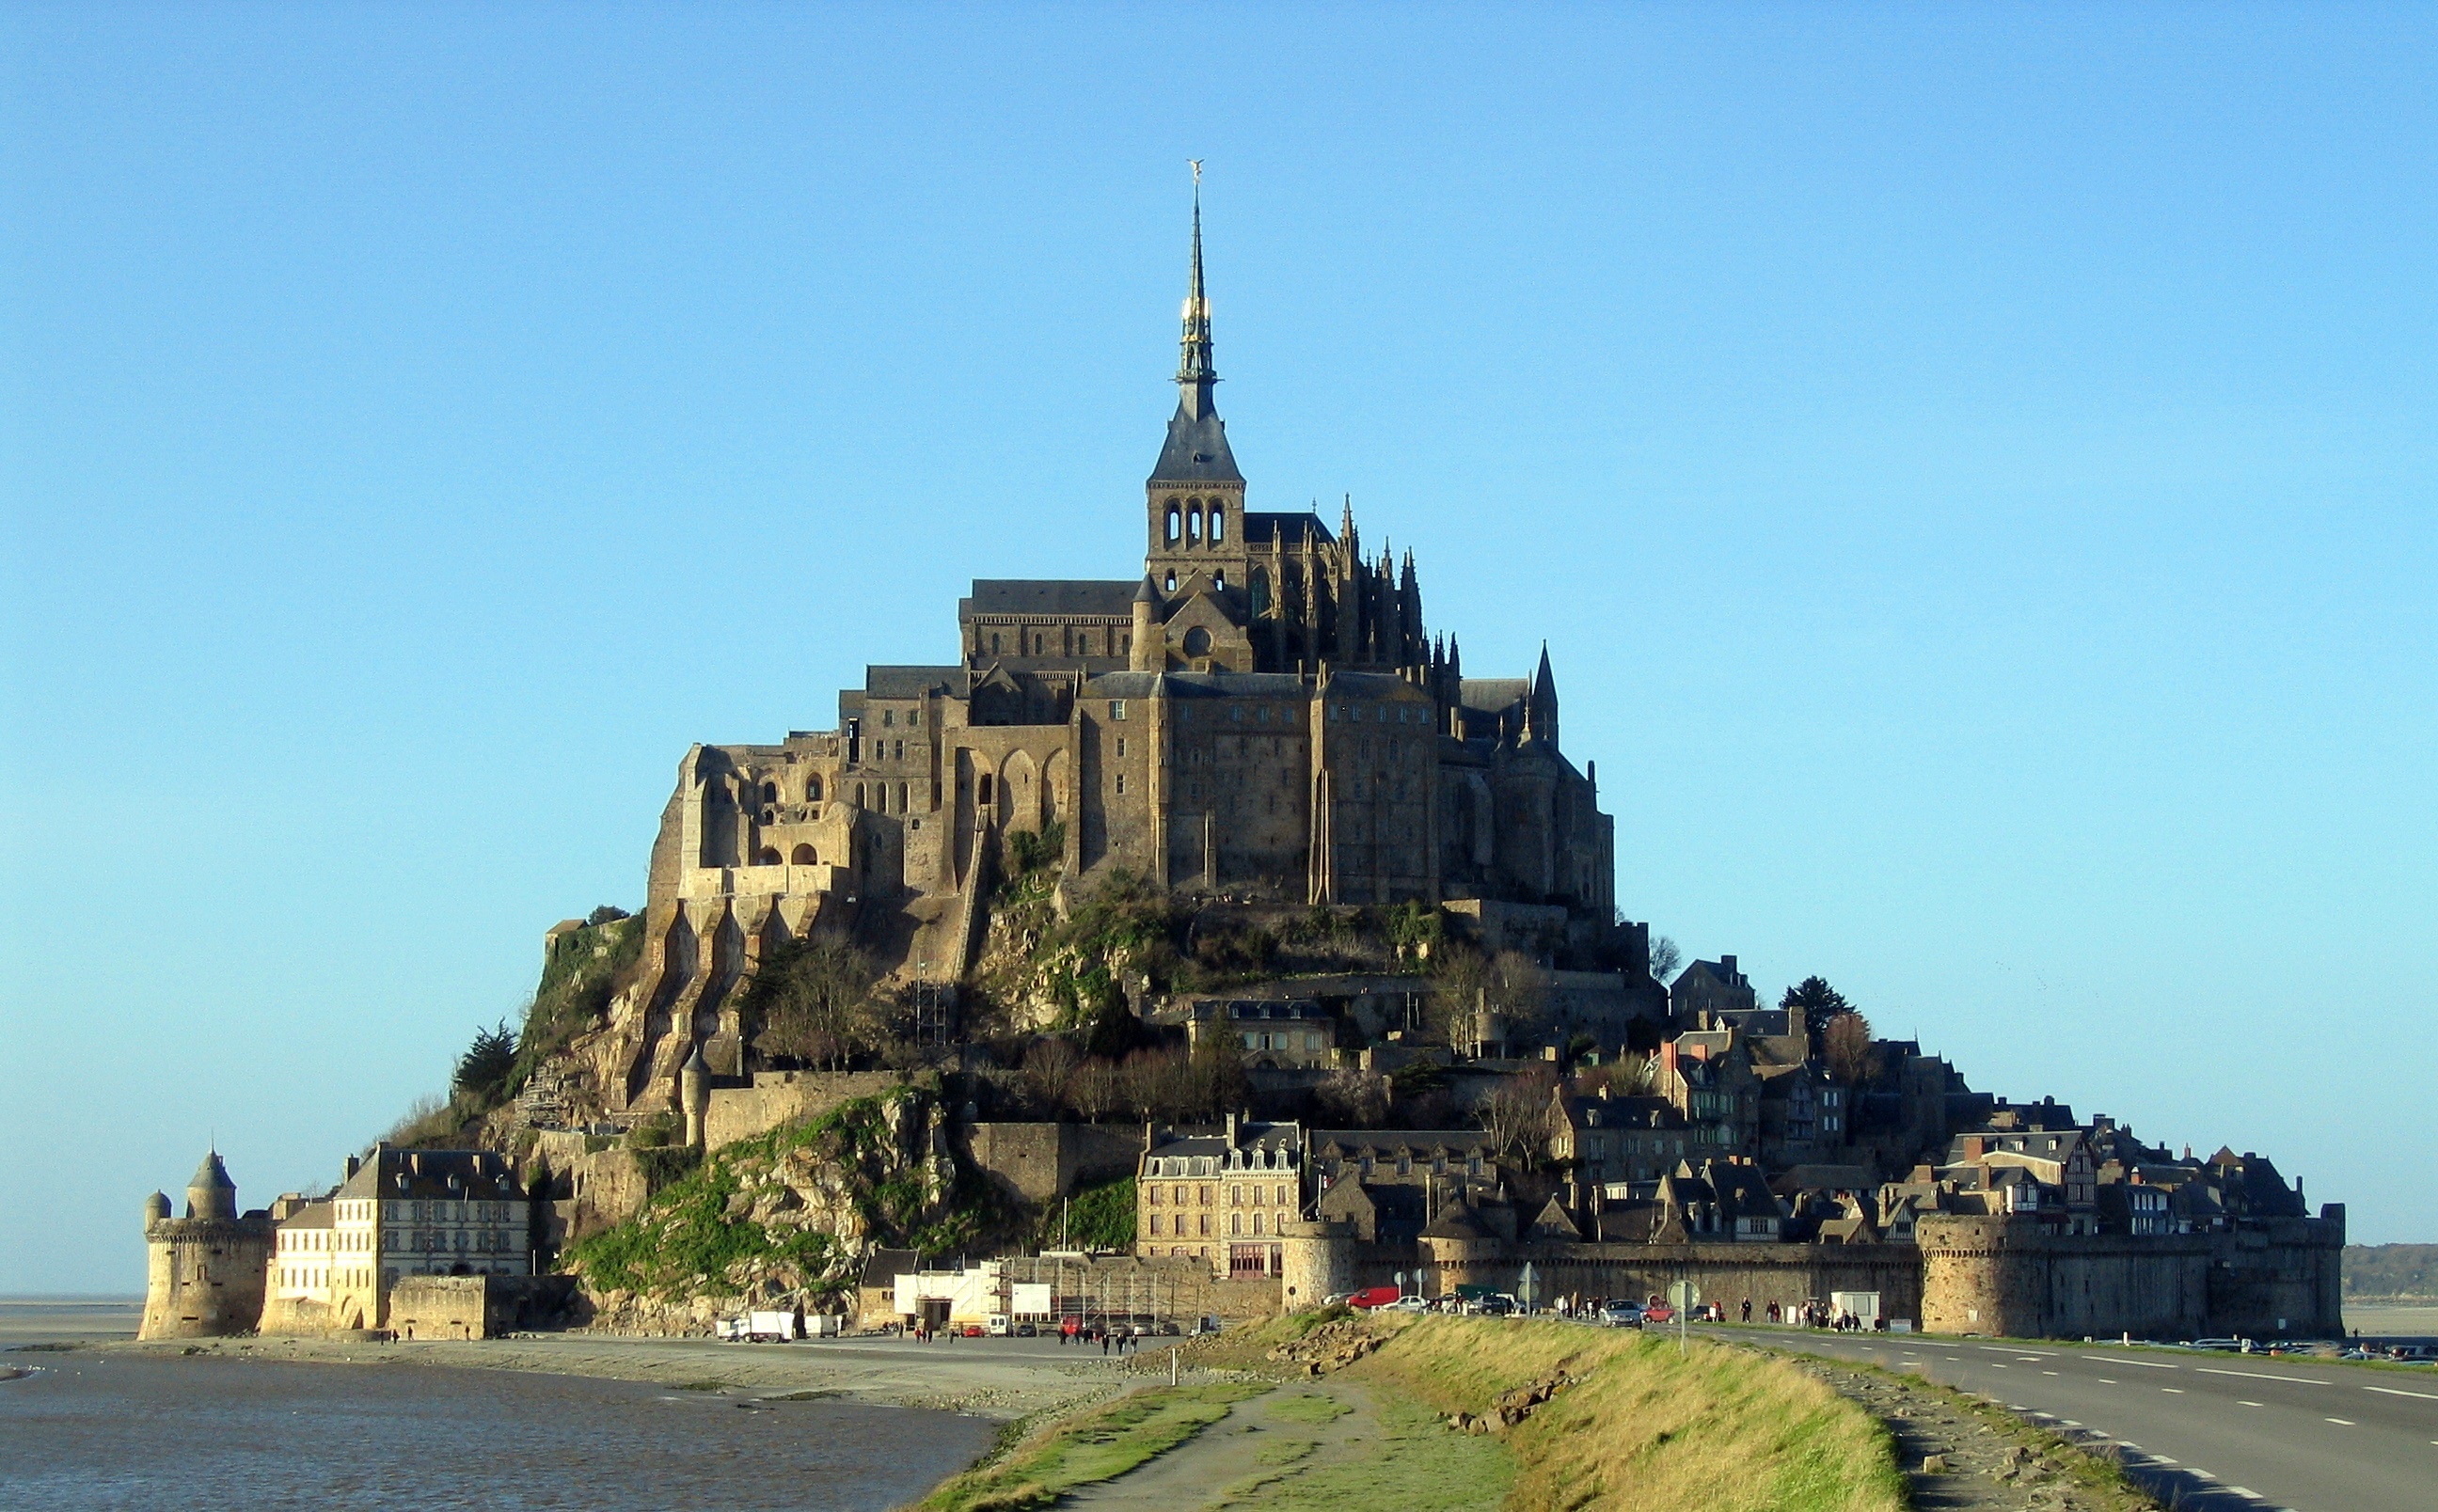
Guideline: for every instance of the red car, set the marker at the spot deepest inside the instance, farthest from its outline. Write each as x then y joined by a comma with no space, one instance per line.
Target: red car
1659,1313
1373,1296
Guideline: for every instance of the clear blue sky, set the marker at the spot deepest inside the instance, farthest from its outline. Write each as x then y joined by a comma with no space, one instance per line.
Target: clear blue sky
1973,468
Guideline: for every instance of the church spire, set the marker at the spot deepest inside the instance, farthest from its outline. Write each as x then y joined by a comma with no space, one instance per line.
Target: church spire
1196,451
1195,372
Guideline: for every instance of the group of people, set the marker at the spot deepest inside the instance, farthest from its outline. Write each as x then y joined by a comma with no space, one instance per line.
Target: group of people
1124,1341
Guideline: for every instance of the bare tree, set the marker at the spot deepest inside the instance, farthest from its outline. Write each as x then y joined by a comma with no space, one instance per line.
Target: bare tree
1847,1048
1049,1070
1356,1100
813,1001
1666,957
1516,1114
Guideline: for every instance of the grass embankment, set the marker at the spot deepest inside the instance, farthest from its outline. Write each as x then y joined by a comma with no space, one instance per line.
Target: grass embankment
1640,1427
1098,1444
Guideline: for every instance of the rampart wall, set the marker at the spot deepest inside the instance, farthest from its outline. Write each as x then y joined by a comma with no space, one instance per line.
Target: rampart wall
204,1277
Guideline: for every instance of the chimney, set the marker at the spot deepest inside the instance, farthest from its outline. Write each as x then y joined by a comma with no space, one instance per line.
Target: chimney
1728,965
1231,1131
351,1165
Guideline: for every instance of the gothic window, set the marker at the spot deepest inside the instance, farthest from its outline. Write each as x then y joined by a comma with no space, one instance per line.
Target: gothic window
901,794
1175,527
1172,582
1218,523
1261,593
1193,521
813,788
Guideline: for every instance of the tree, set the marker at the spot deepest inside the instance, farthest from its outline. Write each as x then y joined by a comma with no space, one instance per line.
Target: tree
1352,1098
609,913
1516,1114
1049,1069
1846,1047
484,1069
1666,957
812,999
1819,1003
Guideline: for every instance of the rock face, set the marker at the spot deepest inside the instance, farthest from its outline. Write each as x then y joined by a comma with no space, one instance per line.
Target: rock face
1513,1406
788,1219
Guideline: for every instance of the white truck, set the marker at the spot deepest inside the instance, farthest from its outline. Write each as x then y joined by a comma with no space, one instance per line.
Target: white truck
761,1327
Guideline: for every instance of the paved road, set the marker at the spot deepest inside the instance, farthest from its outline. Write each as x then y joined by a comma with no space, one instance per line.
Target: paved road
2224,1431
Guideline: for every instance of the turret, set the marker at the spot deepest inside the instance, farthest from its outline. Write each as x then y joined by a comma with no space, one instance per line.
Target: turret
694,1092
1145,652
211,1194
156,1209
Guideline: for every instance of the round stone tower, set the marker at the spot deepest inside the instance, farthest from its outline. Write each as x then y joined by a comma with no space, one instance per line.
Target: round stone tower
1317,1261
205,1273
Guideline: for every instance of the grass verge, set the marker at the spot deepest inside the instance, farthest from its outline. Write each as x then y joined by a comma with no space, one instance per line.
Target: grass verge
1096,1445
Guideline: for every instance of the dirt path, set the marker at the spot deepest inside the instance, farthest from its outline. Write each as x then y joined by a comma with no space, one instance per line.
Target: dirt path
1262,1441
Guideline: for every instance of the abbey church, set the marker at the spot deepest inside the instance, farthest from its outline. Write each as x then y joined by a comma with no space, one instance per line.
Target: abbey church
1260,715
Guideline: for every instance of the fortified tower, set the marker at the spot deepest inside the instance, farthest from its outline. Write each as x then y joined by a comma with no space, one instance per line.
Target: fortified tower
205,1271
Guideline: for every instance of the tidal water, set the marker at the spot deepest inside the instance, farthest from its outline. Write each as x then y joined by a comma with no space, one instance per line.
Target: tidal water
91,1431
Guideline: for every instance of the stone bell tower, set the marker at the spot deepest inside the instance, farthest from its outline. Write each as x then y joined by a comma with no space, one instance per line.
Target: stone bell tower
1194,499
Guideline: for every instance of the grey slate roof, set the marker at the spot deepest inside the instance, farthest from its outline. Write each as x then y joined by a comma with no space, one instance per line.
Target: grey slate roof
1047,595
911,683
1261,527
448,1175
1493,694
1195,450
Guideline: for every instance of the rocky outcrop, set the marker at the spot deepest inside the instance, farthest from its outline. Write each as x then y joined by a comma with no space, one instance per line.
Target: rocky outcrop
789,1218
1514,1406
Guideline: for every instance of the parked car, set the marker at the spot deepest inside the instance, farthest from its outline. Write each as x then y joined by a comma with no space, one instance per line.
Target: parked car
1659,1313
1495,1307
2221,1346
1620,1315
1026,1330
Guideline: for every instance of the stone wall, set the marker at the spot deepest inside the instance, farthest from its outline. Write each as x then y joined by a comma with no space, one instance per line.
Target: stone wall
781,1097
2003,1275
1726,1274
441,1307
1039,1163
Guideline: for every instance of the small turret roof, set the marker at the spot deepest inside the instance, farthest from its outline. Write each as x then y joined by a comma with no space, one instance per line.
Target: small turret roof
212,1174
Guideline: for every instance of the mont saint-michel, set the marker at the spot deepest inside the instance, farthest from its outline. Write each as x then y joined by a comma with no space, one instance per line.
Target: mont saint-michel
1204,942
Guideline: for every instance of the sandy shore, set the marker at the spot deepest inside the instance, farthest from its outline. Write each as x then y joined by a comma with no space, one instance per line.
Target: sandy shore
989,1378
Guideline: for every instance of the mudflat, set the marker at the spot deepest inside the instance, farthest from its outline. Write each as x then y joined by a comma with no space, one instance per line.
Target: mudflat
988,1378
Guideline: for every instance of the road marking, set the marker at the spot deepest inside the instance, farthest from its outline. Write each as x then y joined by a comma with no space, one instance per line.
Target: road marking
2254,1374
2247,1404
2173,1391
2391,1391
1991,1348
2105,1381
2342,1423
2147,1364
1994,1365
2048,1372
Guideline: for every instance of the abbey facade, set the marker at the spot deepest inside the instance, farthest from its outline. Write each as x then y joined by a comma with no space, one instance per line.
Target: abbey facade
1260,715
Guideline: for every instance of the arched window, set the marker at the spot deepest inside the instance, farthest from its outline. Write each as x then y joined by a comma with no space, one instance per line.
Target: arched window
807,857
1037,644
994,642
859,794
813,788
1172,582
1261,594
1219,578
1193,521
1218,523
1175,524
1235,1223
769,858
769,792
1197,642
901,798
